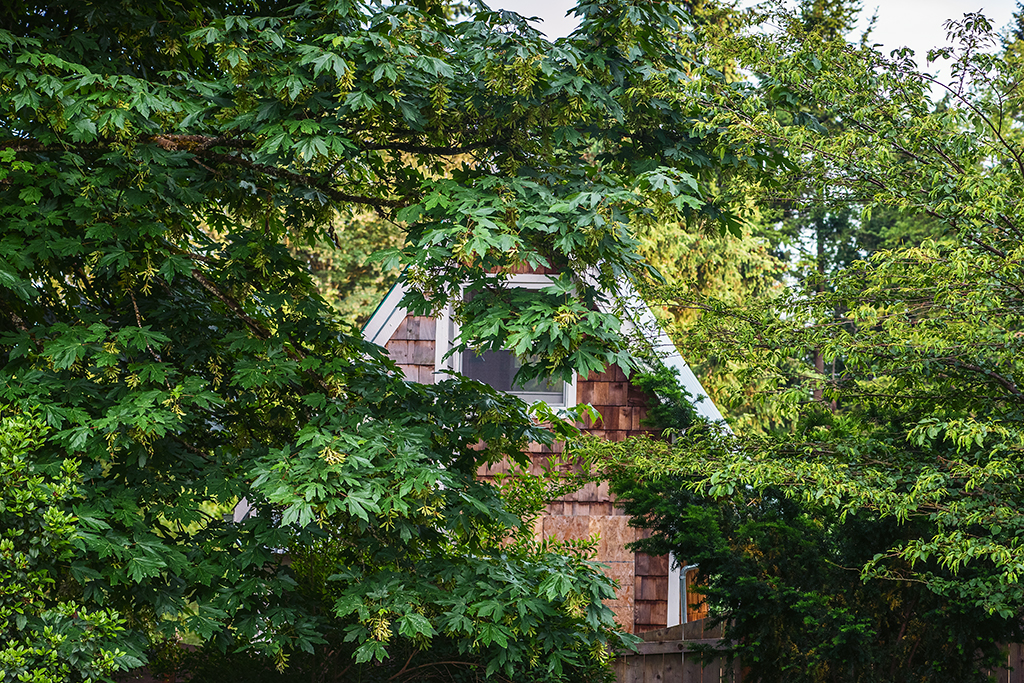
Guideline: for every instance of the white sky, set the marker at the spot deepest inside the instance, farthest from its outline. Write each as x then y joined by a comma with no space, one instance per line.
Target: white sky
912,23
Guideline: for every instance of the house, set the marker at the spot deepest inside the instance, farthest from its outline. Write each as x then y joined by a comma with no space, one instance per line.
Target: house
652,590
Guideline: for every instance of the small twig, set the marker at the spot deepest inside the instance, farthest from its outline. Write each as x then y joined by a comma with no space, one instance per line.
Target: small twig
404,666
253,324
138,321
191,449
469,664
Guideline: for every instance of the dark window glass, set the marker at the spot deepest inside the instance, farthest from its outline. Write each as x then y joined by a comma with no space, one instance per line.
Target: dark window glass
498,368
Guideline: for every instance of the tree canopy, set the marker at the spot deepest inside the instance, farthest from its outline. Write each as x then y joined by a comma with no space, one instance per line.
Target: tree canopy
884,524
160,160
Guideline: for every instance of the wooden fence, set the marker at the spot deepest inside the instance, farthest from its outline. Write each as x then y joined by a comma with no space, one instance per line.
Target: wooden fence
1014,670
679,654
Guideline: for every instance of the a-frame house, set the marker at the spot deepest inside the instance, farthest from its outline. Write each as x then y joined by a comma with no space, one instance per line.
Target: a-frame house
652,590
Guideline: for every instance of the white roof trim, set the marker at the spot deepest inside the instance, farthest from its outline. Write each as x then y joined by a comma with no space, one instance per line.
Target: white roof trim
637,318
386,319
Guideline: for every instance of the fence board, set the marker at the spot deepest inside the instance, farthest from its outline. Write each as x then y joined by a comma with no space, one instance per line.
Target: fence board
668,656
654,666
664,646
736,672
692,668
712,672
1016,663
670,633
635,672
673,669
619,665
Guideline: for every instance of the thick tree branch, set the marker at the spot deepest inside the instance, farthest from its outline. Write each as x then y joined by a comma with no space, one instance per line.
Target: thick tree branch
300,179
201,146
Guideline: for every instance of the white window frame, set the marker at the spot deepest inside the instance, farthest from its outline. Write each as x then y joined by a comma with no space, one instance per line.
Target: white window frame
447,331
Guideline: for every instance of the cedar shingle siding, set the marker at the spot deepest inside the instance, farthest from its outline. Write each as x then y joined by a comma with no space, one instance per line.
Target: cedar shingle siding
412,347
640,603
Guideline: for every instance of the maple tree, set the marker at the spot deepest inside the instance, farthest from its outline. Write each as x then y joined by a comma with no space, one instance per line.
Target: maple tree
160,163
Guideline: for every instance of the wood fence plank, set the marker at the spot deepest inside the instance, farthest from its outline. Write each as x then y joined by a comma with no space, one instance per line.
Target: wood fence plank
999,674
619,668
670,633
712,672
693,630
715,632
654,667
692,668
673,668
736,671
677,662
661,648
1016,663
635,670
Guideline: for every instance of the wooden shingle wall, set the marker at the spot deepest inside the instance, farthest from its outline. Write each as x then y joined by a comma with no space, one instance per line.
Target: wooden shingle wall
641,600
651,586
696,608
412,347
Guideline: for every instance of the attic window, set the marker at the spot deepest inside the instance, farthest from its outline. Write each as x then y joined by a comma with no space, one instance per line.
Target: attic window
498,368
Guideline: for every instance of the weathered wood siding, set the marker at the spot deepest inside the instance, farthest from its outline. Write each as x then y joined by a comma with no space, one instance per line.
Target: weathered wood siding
651,583
641,601
696,608
412,347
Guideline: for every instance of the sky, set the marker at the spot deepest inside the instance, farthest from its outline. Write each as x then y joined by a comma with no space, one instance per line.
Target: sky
912,23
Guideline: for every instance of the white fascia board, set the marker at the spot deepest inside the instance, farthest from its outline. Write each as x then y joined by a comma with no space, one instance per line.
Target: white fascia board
386,319
703,404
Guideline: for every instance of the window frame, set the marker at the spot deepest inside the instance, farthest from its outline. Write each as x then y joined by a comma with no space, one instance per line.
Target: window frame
447,330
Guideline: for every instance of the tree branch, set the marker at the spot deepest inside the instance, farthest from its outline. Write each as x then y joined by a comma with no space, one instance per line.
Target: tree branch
298,178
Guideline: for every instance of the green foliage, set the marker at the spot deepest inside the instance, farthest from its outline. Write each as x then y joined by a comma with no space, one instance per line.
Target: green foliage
672,407
782,575
702,273
342,269
46,634
828,18
161,163
877,537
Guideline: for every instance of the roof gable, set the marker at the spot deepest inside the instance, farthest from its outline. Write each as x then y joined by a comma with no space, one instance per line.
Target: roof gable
636,316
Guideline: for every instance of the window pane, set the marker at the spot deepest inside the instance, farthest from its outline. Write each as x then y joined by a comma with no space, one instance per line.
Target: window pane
491,367
497,368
